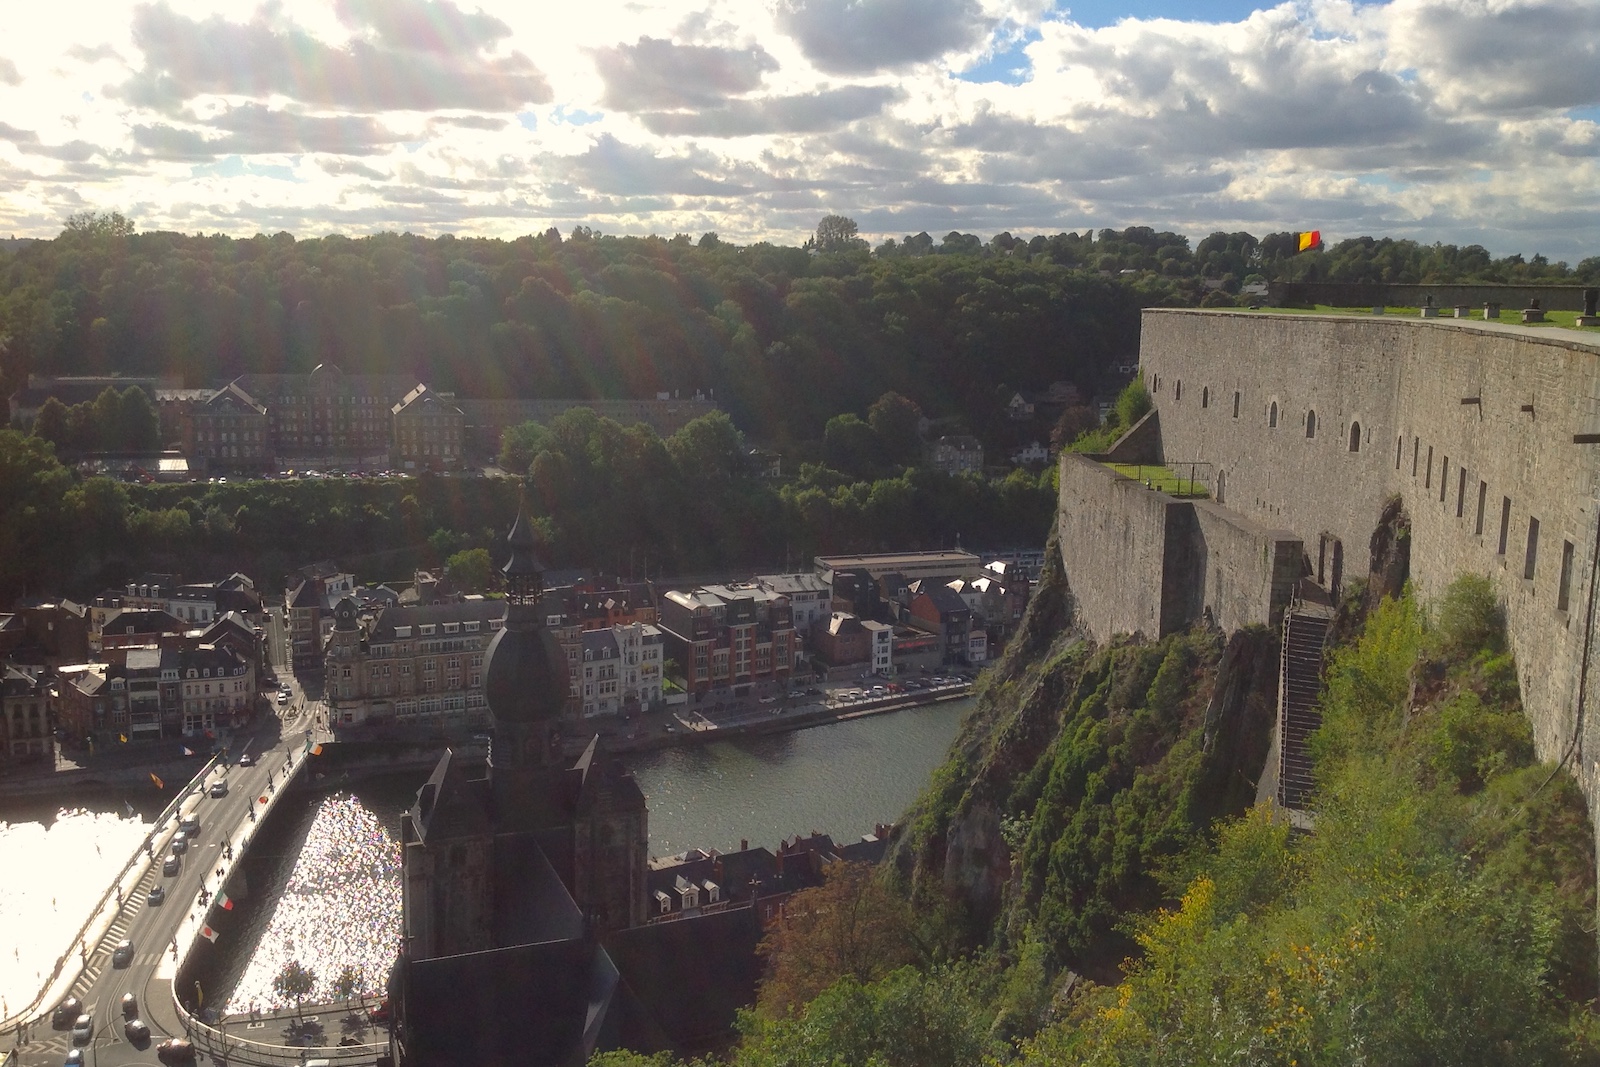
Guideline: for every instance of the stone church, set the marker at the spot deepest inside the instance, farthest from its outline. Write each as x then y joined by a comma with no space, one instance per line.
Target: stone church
524,933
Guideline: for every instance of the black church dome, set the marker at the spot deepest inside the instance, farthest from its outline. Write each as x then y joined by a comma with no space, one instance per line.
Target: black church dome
525,673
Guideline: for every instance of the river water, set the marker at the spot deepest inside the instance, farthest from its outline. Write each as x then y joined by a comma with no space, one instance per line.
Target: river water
325,879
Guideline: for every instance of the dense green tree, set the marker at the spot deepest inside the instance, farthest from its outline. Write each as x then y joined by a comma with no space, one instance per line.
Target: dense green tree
897,422
470,570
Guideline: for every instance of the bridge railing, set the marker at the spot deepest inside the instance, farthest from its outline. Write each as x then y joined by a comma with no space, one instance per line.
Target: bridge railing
225,1044
143,854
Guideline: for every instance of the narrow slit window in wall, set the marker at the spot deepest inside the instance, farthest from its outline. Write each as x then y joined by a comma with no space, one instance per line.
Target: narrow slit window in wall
1427,475
1531,557
1355,437
1236,403
1311,424
1272,415
1564,590
1483,498
1461,491
1444,477
1416,451
1505,523
1399,445
1205,396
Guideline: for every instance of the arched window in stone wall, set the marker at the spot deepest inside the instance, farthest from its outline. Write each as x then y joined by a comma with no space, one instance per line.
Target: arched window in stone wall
1236,403
1222,487
1311,423
1272,416
1355,436
1205,396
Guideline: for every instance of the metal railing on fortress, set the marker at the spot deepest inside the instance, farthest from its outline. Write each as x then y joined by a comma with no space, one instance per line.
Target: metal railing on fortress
1194,478
225,1044
144,854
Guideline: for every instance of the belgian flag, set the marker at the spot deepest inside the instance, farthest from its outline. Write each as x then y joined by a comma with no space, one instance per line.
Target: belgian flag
1310,241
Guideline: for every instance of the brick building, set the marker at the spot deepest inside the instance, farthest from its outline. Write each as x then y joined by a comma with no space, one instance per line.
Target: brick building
426,431
728,636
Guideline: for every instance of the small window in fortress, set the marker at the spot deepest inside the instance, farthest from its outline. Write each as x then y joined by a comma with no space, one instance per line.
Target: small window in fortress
1416,450
1272,415
1205,396
1483,498
1311,424
1427,475
1505,523
1236,403
1461,491
1399,443
1444,477
1355,437
1531,558
1564,590
1177,389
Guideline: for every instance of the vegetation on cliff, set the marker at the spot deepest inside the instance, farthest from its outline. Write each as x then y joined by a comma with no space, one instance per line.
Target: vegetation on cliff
1440,912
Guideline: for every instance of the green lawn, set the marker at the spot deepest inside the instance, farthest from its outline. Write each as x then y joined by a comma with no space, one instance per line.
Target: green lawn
1509,316
1161,478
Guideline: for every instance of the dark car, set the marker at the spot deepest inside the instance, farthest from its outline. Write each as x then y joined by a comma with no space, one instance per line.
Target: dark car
66,1012
171,865
122,955
130,1006
175,1050
136,1032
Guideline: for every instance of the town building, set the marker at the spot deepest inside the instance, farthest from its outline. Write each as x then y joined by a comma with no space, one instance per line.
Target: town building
912,565
83,703
809,597
843,641
621,670
957,454
230,430
412,664
427,432
938,609
26,715
217,689
728,636
309,599
45,633
328,414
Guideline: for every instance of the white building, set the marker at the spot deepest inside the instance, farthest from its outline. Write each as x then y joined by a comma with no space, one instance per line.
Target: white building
620,671
880,646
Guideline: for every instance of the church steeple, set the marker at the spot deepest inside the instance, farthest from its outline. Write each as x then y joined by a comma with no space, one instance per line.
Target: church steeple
524,574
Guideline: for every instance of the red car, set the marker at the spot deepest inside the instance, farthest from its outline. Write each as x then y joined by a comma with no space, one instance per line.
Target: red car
174,1051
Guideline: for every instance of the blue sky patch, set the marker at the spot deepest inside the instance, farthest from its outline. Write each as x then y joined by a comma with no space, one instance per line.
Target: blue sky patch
236,167
528,119
1011,66
1094,14
1592,114
564,116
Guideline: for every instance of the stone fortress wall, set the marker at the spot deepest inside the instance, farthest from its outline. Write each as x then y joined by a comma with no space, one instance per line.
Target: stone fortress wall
1489,433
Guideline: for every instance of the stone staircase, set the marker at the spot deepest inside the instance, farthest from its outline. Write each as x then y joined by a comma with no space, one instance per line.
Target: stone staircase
1305,630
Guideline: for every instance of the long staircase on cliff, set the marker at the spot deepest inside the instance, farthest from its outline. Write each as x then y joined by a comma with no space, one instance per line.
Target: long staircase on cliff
1305,631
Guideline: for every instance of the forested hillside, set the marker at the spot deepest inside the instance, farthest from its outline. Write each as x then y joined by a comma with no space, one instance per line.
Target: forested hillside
786,338
1084,884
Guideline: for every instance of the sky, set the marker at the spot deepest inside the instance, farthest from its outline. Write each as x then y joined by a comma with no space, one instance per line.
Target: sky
1465,121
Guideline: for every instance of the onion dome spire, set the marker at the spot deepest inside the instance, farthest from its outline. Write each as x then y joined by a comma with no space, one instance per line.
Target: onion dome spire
523,572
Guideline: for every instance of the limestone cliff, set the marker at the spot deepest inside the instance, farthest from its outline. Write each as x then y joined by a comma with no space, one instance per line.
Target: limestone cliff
1085,775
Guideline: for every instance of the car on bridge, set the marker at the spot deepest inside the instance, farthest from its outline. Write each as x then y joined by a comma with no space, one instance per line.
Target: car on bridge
137,1033
158,895
83,1029
219,790
180,843
122,955
247,760
171,865
65,1012
174,1051
130,1006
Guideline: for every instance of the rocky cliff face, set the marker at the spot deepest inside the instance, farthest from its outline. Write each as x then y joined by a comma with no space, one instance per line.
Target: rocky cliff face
1083,771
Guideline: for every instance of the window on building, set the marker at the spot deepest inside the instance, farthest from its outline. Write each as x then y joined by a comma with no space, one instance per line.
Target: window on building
1461,491
1355,437
1427,475
1531,558
1444,477
1272,416
1399,444
1236,403
1483,498
1564,589
1416,452
1311,424
1177,389
1205,396
1505,523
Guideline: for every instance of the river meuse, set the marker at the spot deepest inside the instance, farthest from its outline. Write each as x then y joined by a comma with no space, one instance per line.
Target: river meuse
330,896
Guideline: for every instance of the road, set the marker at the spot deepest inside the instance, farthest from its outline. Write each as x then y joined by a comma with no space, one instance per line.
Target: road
152,927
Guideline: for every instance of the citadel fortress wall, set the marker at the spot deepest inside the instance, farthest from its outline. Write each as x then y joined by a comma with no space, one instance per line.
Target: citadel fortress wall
1305,426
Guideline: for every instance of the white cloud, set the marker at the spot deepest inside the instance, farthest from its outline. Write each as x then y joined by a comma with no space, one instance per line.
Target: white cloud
1442,119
